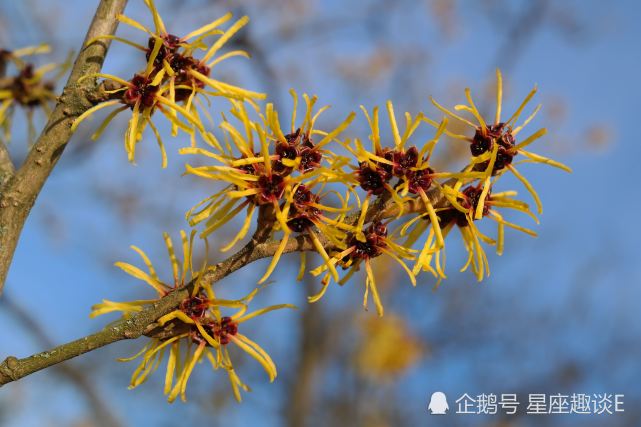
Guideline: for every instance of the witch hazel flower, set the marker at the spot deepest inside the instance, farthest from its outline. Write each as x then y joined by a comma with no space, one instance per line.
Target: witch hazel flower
174,82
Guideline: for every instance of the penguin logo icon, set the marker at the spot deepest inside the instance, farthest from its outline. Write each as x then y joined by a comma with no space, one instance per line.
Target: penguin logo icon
438,404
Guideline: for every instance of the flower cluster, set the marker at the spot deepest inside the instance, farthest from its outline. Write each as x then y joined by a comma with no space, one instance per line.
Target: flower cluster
276,174
174,81
493,148
302,187
195,330
28,87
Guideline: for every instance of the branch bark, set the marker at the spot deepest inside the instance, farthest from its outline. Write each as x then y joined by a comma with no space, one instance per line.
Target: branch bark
12,369
22,188
103,416
7,169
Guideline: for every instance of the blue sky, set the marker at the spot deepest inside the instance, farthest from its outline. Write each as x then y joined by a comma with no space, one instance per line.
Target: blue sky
568,298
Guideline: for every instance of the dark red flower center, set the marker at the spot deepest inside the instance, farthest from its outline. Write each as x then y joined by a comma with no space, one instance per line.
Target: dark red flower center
26,90
140,90
224,329
221,331
374,241
297,145
301,214
195,307
310,159
500,134
169,46
420,180
404,161
271,187
372,180
471,199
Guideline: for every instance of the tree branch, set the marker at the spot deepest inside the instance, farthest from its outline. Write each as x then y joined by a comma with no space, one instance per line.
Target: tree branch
7,168
21,190
103,416
12,369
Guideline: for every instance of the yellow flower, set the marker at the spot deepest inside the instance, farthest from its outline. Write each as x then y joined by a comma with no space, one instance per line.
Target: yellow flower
195,330
403,169
403,172
305,213
279,177
461,214
378,355
361,248
212,333
183,274
298,149
144,94
172,76
175,54
251,179
494,145
28,88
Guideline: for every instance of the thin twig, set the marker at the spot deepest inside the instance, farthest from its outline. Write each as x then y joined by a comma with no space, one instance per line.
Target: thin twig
103,416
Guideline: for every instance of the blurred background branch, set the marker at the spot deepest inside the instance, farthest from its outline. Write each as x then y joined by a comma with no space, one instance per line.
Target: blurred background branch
75,374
